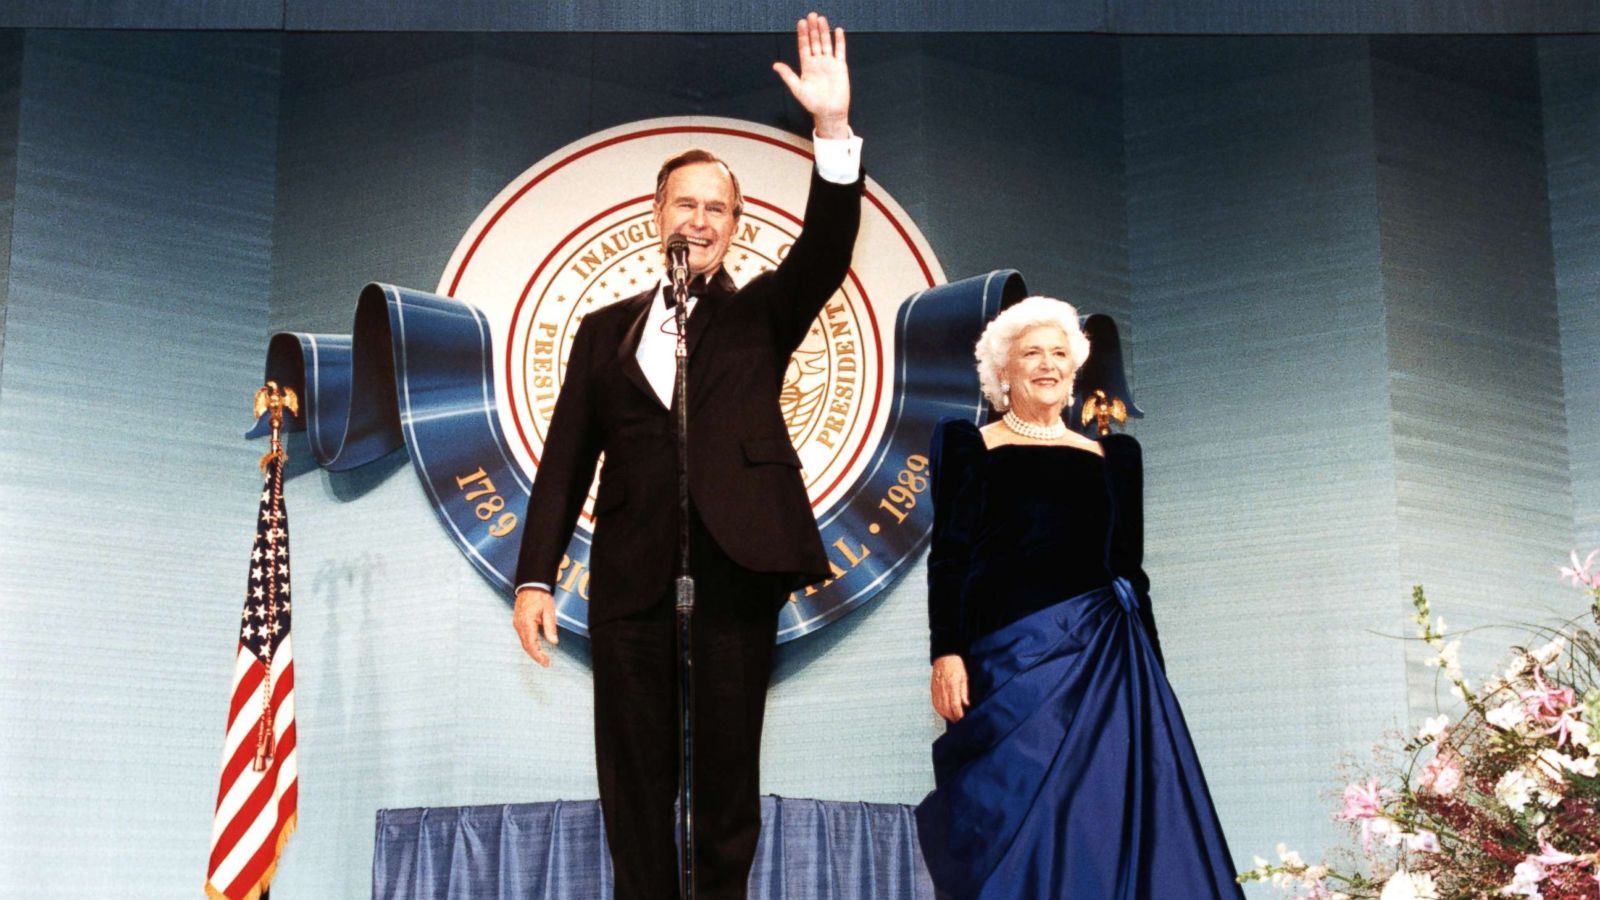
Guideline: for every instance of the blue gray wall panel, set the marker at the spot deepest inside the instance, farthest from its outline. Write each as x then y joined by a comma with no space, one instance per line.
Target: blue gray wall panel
1570,68
1259,357
1474,355
1095,16
1356,17
10,99
143,14
729,16
375,163
137,309
1025,163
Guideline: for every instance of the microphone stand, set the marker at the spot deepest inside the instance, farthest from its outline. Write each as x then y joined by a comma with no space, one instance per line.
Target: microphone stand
678,262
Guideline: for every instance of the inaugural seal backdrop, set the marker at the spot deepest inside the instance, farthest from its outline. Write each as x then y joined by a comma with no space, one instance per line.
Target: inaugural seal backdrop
574,233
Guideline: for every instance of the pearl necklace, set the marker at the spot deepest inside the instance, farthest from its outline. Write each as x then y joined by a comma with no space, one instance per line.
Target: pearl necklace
1035,432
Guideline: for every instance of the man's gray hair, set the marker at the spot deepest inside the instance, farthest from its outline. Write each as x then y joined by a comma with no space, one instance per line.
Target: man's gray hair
994,345
693,157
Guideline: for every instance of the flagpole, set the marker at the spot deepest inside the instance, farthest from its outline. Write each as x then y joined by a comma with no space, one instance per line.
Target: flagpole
271,399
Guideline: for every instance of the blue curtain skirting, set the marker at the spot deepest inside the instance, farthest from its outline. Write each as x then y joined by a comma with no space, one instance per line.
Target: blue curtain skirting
809,850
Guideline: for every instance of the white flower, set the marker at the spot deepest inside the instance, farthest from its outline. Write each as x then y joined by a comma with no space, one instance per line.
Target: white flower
1552,763
1260,863
1525,880
1548,654
1289,857
1403,885
1578,732
1423,841
1514,789
1449,659
1549,769
1508,716
1448,654
1432,728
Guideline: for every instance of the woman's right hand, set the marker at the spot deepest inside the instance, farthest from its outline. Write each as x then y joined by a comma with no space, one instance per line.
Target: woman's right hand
949,687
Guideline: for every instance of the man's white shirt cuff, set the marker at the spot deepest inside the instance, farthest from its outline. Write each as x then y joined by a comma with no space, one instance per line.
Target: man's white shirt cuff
838,159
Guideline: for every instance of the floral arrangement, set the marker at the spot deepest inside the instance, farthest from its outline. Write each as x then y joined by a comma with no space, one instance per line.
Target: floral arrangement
1504,803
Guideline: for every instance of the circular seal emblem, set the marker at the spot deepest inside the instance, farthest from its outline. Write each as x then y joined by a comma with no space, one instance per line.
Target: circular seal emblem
574,233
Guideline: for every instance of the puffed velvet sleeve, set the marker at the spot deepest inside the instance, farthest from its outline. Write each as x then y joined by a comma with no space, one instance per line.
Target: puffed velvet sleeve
1125,459
956,460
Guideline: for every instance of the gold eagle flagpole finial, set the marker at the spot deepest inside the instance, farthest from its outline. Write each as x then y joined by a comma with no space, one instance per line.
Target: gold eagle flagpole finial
271,398
1103,411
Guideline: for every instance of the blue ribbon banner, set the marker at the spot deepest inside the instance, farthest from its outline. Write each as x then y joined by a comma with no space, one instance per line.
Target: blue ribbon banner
417,371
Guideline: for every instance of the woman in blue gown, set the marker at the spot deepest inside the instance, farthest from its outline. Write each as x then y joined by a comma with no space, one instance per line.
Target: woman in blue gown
1066,770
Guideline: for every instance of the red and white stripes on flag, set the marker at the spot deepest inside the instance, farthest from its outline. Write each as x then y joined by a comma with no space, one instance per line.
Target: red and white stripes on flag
256,799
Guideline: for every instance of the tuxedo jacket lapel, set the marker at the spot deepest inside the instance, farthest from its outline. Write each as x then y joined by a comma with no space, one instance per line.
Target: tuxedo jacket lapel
719,292
628,347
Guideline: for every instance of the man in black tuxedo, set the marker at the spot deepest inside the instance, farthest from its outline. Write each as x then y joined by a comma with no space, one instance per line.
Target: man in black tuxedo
753,535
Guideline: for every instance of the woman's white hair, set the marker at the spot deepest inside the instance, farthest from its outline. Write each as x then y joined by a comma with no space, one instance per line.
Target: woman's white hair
994,345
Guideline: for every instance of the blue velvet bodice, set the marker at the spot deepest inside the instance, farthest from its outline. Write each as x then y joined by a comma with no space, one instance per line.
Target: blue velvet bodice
1020,527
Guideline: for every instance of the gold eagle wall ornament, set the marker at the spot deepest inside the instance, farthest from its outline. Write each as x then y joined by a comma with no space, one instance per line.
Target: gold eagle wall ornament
1103,411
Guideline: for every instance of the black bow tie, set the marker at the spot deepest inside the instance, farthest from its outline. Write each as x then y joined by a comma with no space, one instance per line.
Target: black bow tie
700,286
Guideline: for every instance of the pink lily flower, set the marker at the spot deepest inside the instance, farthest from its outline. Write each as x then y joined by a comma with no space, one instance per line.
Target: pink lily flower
1562,729
1579,574
1363,803
1550,856
1545,703
1441,775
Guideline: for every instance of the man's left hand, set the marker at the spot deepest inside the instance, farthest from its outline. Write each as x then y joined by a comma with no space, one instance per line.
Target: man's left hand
823,85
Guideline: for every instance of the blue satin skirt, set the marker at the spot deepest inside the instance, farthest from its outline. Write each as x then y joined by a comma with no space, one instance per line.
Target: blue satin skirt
1072,775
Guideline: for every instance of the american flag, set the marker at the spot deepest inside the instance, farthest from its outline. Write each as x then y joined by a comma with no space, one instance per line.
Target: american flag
256,800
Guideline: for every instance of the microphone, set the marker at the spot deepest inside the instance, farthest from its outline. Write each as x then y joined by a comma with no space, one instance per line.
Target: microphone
678,265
